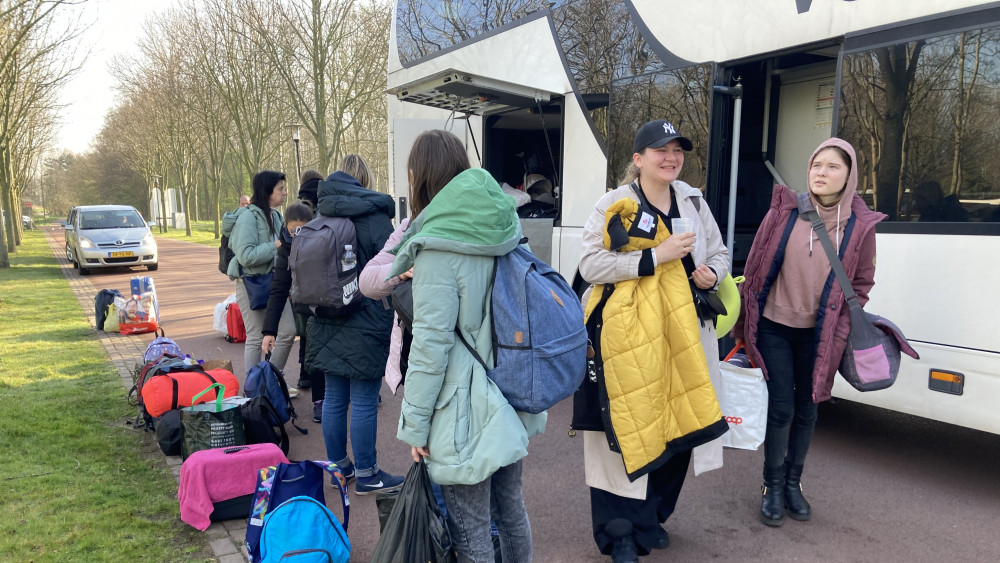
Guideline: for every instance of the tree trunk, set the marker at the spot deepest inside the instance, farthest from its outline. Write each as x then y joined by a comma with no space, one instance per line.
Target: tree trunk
897,67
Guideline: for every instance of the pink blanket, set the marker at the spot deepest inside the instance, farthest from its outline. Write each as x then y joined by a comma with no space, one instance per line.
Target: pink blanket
210,476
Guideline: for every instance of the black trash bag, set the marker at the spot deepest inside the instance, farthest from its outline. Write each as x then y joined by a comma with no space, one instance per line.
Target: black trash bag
384,502
415,531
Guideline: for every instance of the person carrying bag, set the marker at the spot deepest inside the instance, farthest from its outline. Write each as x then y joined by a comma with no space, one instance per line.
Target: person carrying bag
871,358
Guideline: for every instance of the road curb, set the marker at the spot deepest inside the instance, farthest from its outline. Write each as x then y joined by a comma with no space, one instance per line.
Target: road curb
224,538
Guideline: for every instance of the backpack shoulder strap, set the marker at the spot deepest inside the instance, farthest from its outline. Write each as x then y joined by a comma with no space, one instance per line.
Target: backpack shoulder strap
341,482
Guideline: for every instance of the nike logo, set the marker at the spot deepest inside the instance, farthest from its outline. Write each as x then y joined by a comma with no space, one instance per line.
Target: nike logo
379,484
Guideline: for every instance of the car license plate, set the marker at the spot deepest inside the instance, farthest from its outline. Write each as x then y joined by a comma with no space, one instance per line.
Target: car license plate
126,254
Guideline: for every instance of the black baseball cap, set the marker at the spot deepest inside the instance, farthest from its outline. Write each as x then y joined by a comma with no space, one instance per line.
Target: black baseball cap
657,133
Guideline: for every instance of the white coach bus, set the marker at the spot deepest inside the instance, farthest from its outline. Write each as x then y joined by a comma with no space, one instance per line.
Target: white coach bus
548,94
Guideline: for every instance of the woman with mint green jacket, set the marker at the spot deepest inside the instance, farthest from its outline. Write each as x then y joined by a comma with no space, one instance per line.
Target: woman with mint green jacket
453,416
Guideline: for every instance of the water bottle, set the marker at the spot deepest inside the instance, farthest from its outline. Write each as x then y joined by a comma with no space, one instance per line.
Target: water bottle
348,261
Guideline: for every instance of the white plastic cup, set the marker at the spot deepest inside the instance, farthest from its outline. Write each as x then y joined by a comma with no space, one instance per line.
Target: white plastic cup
682,225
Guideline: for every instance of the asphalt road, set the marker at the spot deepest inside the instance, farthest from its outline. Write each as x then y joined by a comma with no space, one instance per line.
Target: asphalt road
883,486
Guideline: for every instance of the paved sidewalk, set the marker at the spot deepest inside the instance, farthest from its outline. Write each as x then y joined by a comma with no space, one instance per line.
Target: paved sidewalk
225,538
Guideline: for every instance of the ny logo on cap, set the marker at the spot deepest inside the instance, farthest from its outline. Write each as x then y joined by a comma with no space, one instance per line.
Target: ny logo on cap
669,129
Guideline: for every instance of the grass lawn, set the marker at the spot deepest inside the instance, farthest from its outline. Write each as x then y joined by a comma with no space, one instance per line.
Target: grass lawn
202,232
77,483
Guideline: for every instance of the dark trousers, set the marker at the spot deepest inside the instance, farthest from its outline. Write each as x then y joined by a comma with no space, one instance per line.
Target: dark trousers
789,354
315,377
662,490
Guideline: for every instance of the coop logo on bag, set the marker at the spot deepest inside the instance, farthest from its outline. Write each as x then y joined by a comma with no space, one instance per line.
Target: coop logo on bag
734,420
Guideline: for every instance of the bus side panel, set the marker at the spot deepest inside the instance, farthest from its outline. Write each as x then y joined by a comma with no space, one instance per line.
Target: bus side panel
936,288
955,330
974,408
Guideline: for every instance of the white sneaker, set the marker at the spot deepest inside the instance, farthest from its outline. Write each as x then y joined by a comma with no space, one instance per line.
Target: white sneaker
293,392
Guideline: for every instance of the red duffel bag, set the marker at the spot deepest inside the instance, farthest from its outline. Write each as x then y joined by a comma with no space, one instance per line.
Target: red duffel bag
168,391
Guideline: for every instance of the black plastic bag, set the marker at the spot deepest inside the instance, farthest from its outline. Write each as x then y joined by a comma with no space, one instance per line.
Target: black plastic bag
384,503
415,531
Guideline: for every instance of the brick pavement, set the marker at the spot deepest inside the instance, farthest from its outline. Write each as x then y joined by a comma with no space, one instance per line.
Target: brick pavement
225,538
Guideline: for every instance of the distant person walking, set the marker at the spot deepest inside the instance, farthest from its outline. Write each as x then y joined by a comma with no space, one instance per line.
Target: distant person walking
794,318
351,350
255,240
244,200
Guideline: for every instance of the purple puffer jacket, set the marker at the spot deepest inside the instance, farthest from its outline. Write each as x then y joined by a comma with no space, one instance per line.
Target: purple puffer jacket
833,319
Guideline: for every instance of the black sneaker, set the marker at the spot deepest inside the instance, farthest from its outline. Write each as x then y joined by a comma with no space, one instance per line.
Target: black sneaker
318,411
304,382
347,471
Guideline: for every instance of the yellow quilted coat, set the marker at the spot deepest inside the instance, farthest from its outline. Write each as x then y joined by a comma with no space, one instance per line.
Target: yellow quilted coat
655,370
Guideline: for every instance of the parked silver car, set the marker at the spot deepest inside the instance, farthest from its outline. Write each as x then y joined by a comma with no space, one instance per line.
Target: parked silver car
107,236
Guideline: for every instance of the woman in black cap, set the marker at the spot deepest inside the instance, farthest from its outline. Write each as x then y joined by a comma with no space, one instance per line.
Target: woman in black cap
649,402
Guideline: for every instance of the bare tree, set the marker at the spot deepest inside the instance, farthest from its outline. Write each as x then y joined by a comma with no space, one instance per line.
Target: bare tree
35,60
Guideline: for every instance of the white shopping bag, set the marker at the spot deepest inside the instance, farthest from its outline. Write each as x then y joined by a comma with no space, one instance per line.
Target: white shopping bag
219,316
742,395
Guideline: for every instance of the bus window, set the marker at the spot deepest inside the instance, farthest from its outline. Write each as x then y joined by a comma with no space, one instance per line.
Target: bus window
424,27
921,115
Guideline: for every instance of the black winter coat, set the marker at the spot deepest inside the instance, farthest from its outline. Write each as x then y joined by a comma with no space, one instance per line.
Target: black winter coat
281,286
357,345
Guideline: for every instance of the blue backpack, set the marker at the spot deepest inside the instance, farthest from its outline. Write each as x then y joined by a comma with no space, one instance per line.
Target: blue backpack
539,338
265,379
161,346
300,526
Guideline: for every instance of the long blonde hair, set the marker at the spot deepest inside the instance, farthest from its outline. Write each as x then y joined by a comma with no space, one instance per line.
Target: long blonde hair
630,175
356,166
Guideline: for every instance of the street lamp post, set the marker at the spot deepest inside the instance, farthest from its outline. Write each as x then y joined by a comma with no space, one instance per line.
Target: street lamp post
296,130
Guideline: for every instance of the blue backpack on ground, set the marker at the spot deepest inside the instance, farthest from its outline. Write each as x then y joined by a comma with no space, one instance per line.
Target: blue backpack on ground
539,338
266,380
300,527
161,346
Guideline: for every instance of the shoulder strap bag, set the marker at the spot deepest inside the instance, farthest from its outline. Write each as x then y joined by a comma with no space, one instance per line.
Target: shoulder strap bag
872,356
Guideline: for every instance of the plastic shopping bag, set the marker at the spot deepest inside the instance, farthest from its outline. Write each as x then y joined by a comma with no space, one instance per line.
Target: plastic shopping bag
742,395
415,531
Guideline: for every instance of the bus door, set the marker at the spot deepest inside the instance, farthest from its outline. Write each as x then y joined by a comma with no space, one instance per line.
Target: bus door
786,109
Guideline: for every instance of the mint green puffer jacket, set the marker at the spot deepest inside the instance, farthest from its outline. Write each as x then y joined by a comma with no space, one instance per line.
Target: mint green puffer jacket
449,405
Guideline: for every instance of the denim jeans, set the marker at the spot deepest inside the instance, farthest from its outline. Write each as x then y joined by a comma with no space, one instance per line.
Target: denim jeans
253,322
361,395
470,508
789,354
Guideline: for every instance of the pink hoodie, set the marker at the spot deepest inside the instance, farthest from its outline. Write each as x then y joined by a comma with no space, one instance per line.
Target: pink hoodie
794,299
374,285
831,317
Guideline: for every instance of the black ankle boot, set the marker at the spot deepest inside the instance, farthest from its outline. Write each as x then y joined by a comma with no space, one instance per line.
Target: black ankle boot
798,506
772,503
623,549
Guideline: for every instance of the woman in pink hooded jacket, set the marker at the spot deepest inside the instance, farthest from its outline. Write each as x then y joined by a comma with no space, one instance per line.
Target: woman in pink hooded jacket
794,319
373,284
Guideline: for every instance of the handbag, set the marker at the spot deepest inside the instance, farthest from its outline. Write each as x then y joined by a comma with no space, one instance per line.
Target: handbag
258,289
872,356
217,424
707,303
742,394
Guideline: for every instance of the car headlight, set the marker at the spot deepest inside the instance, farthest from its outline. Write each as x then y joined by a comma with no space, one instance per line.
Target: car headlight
86,243
148,240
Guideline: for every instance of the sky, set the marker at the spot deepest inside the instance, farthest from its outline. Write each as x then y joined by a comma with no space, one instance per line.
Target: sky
115,27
